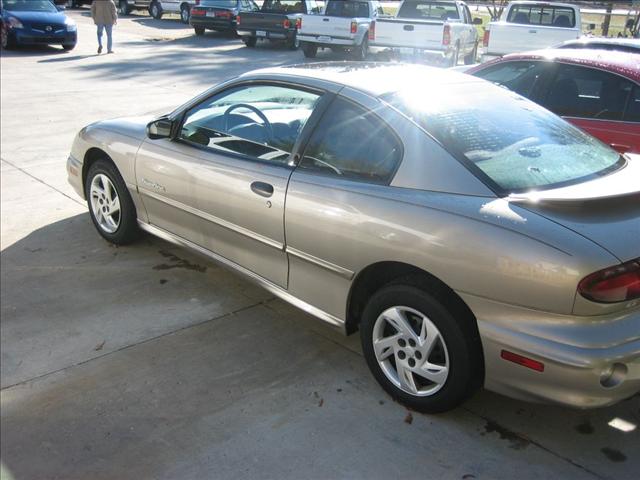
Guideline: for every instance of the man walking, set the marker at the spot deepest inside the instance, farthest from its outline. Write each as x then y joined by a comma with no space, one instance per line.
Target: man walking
105,16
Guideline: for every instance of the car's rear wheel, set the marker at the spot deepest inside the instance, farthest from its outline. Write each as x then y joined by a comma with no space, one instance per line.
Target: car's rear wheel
199,30
123,8
422,354
155,10
110,205
185,14
294,43
361,51
250,41
471,58
455,56
310,50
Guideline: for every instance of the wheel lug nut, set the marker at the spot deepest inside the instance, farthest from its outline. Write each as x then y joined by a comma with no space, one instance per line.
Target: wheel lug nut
412,342
412,362
418,355
402,355
402,343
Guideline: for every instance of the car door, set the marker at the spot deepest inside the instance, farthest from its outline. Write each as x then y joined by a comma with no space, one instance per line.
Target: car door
240,145
332,209
596,101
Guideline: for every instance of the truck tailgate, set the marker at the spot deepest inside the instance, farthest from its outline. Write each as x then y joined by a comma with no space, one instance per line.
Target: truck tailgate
262,21
511,38
318,25
395,32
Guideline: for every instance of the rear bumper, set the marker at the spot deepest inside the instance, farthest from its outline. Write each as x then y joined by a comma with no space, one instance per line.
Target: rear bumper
268,34
588,361
213,23
325,41
409,52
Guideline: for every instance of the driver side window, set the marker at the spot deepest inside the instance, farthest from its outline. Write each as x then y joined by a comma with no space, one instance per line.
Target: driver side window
258,121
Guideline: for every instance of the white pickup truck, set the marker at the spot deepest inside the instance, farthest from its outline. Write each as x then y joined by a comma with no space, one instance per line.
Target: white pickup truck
443,30
183,7
344,26
531,26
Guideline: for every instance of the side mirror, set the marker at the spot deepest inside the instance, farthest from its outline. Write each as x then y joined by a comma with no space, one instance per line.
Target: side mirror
477,21
160,128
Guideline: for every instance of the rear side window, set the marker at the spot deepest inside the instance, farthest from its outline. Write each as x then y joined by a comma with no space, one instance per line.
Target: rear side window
283,6
353,144
549,16
347,8
429,10
521,77
588,93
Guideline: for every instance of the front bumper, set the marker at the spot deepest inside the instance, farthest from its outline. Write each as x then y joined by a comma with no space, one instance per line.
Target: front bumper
28,36
588,361
74,175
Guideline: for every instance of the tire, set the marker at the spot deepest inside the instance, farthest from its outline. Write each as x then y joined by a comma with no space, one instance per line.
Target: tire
471,58
456,360
68,48
123,8
123,227
294,43
310,50
250,41
155,10
199,31
185,14
6,41
455,57
360,53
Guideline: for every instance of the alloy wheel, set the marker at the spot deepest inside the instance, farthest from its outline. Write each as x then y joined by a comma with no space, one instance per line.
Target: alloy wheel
411,351
105,203
185,14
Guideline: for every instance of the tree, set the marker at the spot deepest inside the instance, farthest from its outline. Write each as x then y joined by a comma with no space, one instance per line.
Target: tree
496,8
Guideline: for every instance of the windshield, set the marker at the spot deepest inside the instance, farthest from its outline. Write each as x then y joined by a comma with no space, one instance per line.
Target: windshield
429,10
219,3
28,6
516,147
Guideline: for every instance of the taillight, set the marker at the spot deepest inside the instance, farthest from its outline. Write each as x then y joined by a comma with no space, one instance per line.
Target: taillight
485,38
354,27
198,11
446,35
299,23
238,20
613,284
372,31
286,24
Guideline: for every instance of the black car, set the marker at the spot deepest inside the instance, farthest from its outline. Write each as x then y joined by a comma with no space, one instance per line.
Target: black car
36,22
219,14
276,20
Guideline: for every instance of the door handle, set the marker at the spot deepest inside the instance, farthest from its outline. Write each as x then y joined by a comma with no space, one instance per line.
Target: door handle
262,189
408,28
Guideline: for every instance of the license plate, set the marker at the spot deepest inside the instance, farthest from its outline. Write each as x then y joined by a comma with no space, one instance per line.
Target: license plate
211,14
261,33
324,39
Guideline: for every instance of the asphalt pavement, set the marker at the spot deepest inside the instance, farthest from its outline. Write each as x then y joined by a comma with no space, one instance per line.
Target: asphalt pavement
148,361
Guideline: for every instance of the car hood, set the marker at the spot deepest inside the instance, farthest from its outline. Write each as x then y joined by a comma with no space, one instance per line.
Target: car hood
38,17
605,210
134,127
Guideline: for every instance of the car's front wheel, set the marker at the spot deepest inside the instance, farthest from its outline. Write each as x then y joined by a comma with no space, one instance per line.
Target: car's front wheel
199,31
155,10
6,40
185,14
110,204
123,7
309,49
422,354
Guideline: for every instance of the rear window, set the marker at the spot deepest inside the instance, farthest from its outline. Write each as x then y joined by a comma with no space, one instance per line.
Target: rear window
429,10
550,16
283,6
347,8
517,147
219,3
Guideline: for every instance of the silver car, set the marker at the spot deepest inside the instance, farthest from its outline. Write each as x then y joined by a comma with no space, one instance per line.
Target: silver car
471,236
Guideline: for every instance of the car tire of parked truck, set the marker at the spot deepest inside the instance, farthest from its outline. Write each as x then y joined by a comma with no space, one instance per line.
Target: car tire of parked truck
126,230
185,13
434,336
155,10
472,57
294,44
455,58
310,50
123,8
250,41
199,31
361,51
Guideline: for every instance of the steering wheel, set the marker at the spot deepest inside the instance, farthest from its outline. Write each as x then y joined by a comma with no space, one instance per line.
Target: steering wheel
262,116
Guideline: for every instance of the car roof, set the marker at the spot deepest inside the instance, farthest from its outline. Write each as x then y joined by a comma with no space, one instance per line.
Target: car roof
551,4
623,63
369,77
629,42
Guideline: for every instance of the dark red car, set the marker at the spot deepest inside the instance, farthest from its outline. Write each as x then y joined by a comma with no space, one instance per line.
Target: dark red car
595,90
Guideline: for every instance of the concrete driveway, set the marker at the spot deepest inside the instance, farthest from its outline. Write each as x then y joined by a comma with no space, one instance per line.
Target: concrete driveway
150,362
